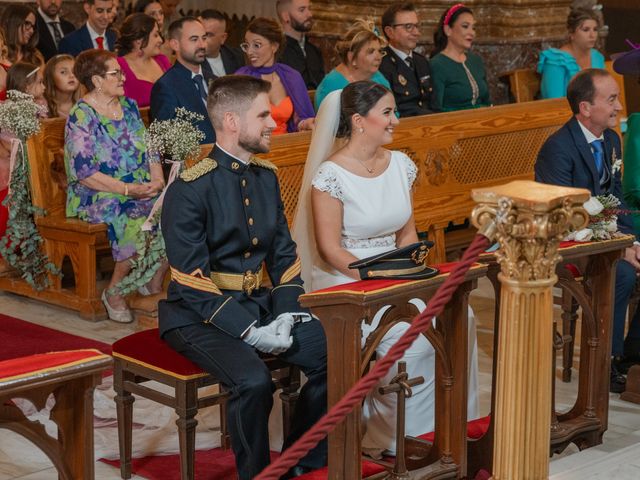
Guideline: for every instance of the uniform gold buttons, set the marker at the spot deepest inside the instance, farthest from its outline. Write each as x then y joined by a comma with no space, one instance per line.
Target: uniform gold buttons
255,240
235,165
246,202
420,103
250,221
406,93
247,254
244,182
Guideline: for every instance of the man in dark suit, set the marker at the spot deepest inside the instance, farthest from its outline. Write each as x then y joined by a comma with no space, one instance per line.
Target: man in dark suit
95,33
585,153
51,28
408,72
299,53
221,59
184,84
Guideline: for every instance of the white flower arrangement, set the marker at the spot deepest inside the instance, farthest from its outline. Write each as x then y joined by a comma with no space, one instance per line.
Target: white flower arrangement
175,139
21,244
19,115
603,219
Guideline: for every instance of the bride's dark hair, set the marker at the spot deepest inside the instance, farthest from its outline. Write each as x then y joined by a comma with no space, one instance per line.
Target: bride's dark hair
358,97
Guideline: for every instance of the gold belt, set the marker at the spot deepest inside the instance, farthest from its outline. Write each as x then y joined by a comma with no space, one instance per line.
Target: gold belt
240,282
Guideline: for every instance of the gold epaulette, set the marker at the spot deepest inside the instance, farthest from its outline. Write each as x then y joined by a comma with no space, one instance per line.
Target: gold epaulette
201,168
258,162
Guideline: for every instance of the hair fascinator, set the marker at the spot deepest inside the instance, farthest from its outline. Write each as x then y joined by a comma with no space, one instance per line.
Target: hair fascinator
402,263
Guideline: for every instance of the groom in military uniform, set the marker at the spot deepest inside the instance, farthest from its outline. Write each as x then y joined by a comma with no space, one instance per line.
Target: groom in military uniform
225,231
408,72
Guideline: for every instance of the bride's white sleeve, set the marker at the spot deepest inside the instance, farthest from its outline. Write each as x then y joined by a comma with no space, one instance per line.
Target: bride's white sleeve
326,180
409,167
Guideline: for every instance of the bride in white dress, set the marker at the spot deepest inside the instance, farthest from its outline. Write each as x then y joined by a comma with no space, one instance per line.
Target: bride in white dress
355,202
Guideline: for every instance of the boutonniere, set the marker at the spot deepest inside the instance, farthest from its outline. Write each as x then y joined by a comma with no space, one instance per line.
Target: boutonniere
616,163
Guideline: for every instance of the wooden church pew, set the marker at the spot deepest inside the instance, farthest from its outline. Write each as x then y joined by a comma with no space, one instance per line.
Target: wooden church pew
455,152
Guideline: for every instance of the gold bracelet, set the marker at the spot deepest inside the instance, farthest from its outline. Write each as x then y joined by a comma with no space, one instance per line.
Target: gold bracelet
126,189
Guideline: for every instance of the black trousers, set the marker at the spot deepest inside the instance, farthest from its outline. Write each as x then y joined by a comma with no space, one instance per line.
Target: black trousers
249,382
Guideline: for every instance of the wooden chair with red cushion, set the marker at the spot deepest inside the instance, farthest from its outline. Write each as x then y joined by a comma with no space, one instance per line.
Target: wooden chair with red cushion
143,356
70,376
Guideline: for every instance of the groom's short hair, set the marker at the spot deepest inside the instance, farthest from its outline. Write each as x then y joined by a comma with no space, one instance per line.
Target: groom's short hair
233,93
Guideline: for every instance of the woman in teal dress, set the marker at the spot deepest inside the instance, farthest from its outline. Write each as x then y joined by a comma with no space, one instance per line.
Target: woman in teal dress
459,77
360,54
110,178
559,65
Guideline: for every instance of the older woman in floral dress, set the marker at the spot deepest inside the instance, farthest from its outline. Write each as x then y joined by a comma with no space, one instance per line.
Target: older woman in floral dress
110,178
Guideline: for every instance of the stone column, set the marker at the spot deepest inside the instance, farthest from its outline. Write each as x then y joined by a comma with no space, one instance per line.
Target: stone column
531,219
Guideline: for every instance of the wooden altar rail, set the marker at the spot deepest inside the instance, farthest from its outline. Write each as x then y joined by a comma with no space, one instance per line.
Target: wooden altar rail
341,312
455,152
587,419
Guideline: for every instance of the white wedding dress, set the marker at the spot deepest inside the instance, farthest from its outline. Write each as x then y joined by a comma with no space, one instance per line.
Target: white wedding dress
373,210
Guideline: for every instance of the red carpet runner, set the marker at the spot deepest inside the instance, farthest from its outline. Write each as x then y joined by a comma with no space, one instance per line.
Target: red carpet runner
217,464
19,338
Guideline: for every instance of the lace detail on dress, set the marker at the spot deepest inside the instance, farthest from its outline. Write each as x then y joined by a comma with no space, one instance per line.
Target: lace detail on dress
384,241
411,169
326,180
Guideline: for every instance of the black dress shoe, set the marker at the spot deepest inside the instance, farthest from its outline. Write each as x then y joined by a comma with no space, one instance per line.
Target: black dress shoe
296,471
617,382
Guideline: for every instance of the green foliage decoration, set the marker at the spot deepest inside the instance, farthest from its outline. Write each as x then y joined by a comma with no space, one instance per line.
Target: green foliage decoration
21,244
176,140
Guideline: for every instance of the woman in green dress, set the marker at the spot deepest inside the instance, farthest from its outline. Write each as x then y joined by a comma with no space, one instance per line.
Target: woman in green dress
459,77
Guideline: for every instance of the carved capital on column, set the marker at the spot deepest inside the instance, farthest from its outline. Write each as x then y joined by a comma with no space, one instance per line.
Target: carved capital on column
530,221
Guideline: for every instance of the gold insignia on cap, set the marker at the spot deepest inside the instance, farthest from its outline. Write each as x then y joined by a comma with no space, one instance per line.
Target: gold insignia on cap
402,80
201,168
235,165
419,256
259,162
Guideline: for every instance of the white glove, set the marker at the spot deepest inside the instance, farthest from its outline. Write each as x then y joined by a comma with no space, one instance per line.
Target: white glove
283,324
302,317
267,340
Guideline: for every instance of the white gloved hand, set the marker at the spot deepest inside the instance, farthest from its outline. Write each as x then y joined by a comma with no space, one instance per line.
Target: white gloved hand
283,324
303,317
267,341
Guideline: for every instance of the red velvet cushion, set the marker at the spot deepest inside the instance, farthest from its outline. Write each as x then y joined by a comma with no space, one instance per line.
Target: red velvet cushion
148,349
366,286
45,362
475,429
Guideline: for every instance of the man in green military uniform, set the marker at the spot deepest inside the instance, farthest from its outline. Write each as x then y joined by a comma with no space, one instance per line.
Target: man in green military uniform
225,231
408,72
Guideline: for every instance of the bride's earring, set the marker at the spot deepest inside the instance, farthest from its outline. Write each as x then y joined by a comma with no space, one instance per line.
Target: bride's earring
361,130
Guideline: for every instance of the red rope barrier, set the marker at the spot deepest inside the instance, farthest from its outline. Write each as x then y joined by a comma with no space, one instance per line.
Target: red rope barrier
355,395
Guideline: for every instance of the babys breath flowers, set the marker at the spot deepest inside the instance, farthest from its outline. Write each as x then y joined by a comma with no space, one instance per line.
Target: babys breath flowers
21,243
176,139
19,115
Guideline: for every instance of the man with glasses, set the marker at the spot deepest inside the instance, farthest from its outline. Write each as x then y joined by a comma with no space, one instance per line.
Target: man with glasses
51,28
95,33
407,71
184,84
298,53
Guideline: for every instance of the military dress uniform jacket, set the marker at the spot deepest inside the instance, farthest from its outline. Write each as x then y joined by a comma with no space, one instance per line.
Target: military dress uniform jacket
225,217
412,88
